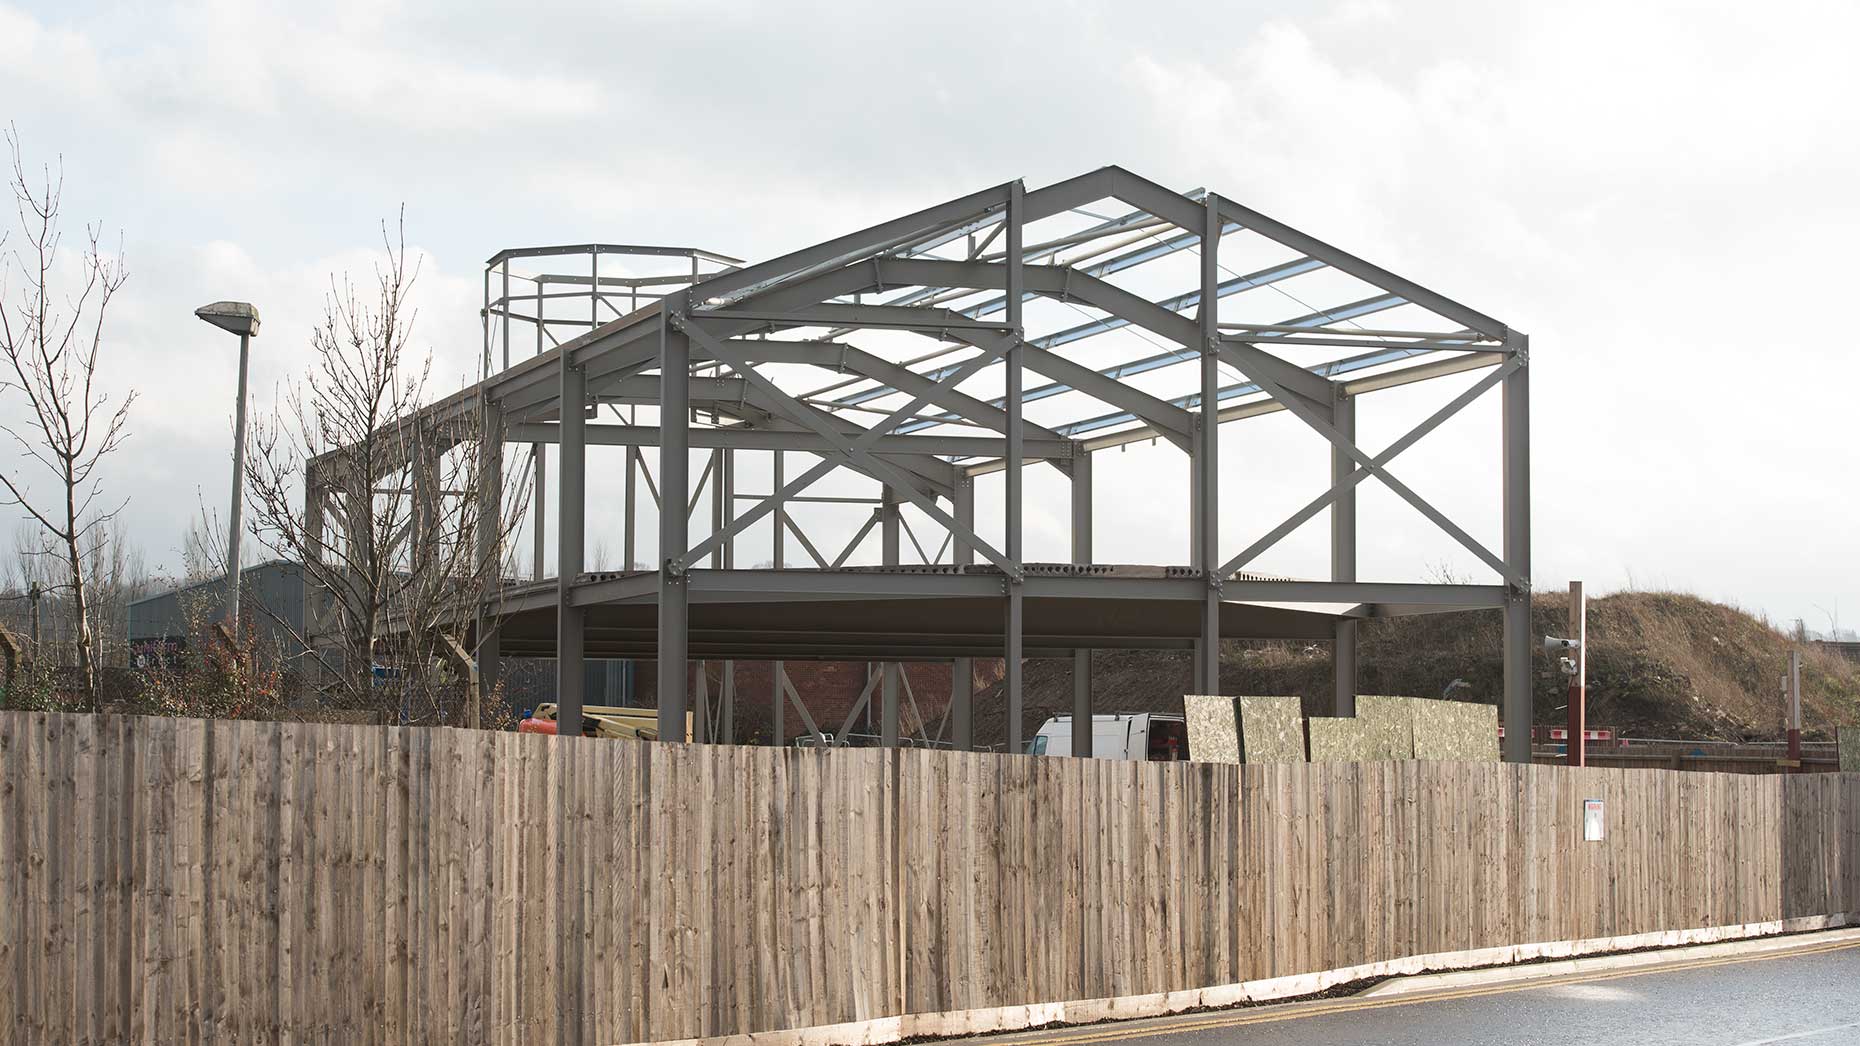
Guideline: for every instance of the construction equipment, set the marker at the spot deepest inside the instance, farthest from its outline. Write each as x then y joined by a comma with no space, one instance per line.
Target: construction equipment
603,721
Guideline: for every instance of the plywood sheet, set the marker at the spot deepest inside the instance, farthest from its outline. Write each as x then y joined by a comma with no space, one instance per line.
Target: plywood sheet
1457,730
1272,730
1388,727
1338,740
1213,729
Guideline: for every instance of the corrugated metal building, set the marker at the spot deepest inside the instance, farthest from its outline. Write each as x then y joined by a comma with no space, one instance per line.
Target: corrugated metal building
271,605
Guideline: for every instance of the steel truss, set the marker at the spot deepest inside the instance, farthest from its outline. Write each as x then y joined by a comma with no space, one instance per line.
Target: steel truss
928,362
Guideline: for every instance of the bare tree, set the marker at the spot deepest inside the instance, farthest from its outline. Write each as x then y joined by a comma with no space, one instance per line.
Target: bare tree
51,340
382,505
116,575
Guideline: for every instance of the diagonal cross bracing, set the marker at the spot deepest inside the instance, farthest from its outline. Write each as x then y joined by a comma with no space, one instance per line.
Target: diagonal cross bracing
1356,476
821,469
879,469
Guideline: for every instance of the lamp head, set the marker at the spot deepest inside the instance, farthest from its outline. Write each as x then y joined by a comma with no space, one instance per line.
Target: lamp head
237,317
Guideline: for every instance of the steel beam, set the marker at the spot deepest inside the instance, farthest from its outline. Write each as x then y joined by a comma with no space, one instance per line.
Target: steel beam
778,534
1081,553
852,317
1359,598
1016,359
1321,425
1372,274
1060,289
488,552
843,358
571,516
539,469
1343,554
674,463
725,493
629,542
850,449
1207,450
888,707
747,438
962,671
1347,485
852,453
1517,521
1115,183
488,549
756,279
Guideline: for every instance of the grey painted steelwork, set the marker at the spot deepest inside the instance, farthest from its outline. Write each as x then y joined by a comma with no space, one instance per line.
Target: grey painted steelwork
571,514
1081,554
898,355
1517,482
1343,552
1207,454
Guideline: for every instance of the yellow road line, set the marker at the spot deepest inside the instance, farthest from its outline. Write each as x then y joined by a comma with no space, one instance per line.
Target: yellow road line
1295,1011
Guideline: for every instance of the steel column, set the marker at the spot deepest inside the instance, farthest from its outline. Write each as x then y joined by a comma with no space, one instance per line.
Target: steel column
1207,457
1517,517
717,500
777,537
1343,552
888,700
725,489
488,552
629,539
539,467
1015,431
962,671
570,665
1081,553
674,463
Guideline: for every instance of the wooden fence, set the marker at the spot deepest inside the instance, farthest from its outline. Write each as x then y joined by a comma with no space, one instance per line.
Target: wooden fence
187,880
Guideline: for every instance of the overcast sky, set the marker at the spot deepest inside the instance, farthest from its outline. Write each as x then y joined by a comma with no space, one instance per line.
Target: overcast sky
1661,194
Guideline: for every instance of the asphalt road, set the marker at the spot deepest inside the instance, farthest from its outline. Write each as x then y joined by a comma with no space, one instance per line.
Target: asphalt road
1808,998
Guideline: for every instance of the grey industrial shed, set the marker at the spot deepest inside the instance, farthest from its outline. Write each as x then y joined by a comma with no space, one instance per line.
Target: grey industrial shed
272,596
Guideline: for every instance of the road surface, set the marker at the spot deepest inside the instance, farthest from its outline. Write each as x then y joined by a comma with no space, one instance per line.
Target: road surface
1802,998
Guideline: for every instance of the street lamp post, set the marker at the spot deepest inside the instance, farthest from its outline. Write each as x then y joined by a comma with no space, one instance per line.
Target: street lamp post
240,318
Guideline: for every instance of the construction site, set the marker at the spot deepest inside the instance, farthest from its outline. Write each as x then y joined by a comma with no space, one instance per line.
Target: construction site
881,466
983,351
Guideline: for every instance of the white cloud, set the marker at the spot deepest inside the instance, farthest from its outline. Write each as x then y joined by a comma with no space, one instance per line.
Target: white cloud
1656,192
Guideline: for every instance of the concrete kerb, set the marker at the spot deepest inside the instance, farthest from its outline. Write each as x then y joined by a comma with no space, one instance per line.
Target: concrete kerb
1406,975
1606,963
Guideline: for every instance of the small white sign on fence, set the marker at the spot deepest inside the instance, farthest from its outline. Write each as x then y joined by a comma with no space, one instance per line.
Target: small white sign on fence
1591,820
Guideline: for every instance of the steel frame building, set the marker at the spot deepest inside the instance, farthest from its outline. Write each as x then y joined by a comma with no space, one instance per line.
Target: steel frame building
999,330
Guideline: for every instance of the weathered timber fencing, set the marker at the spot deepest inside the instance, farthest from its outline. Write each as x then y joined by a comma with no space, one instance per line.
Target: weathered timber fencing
188,880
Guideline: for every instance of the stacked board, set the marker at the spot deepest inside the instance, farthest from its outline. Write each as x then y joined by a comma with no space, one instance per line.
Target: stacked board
1338,740
1455,730
1244,729
1213,729
1388,728
1274,730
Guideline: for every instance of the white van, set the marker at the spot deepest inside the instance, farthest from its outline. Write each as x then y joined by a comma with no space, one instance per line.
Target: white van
1140,735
